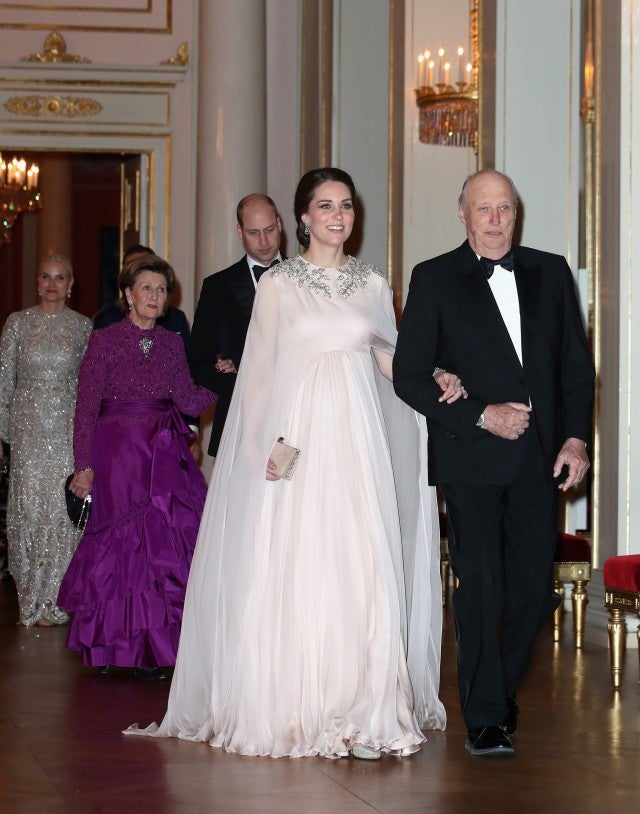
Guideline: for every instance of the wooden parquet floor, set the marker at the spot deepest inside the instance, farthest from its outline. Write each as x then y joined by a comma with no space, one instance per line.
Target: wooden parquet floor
61,751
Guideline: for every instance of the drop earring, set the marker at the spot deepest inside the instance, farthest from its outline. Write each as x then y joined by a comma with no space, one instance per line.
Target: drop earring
307,231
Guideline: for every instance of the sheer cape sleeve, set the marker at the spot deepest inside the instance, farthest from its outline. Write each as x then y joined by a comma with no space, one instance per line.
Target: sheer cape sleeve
418,573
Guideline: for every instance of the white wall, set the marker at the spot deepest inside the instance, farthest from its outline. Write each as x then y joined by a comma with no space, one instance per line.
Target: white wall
433,175
538,117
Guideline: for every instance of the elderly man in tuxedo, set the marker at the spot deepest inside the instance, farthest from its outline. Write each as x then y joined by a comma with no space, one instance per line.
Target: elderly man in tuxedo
506,319
224,309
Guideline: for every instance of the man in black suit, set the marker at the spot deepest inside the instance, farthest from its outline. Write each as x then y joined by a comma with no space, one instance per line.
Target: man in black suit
224,309
506,320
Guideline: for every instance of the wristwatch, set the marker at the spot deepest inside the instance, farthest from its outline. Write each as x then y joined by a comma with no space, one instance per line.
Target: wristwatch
480,421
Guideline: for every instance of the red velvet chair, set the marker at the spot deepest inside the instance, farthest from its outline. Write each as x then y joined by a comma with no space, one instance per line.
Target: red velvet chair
621,596
572,564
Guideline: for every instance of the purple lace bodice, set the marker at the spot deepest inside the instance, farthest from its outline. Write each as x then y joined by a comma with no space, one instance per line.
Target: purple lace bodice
127,363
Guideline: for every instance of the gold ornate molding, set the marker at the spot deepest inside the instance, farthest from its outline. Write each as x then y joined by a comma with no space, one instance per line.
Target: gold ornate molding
70,107
55,50
182,58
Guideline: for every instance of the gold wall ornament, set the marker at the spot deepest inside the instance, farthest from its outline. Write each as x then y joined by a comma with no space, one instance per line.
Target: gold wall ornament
182,58
70,107
55,50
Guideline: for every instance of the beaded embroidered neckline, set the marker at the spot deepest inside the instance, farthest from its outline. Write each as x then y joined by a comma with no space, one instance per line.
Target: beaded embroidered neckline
145,346
351,276
145,343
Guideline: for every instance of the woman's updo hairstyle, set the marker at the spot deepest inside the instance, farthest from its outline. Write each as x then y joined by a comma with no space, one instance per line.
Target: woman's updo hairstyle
307,186
132,270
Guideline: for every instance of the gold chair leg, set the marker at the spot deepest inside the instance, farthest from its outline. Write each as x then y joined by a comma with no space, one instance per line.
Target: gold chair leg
445,569
617,627
579,600
558,614
638,634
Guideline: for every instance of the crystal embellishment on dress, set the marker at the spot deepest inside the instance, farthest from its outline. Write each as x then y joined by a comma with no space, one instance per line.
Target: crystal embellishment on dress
145,346
351,276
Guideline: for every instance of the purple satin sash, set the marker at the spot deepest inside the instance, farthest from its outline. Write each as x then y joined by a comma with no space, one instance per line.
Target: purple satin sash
118,407
144,461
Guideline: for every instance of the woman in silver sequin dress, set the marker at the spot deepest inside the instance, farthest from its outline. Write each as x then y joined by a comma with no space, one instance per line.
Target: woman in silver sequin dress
40,352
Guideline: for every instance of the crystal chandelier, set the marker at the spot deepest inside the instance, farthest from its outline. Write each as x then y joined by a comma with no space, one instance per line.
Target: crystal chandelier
18,193
448,108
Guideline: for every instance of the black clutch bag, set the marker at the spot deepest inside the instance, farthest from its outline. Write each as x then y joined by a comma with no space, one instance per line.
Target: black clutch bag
78,508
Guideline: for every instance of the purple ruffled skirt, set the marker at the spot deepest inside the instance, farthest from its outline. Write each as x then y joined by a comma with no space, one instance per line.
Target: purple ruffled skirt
126,582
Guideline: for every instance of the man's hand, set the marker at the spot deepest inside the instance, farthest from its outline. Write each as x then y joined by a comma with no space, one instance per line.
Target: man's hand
574,456
508,420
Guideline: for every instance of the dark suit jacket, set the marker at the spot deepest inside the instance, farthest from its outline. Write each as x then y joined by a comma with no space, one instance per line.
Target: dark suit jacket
219,330
451,320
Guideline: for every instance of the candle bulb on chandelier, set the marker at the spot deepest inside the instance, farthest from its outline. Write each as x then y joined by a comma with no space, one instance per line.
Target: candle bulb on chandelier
469,70
32,176
440,66
460,64
447,73
431,66
421,71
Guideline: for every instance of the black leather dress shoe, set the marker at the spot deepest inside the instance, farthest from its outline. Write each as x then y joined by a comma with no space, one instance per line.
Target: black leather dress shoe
510,724
488,740
150,673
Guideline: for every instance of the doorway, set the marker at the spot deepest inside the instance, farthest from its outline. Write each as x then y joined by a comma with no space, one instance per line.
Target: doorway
93,208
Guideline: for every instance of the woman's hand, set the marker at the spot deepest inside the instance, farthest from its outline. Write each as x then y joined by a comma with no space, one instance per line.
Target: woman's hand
81,483
270,473
450,384
225,366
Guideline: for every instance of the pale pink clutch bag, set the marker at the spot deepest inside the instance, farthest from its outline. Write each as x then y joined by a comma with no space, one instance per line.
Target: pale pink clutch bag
285,458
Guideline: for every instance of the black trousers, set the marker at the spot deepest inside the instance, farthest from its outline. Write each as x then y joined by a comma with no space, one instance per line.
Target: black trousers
502,540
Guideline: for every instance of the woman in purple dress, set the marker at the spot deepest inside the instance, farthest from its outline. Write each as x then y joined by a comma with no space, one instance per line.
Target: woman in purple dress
126,582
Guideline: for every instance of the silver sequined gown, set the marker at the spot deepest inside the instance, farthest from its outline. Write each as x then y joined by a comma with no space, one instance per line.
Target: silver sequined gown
39,359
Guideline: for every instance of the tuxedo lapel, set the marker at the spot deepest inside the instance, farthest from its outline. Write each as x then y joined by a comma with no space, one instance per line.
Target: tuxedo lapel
241,286
528,285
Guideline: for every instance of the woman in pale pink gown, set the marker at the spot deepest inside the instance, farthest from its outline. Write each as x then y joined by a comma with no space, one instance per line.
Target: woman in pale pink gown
312,619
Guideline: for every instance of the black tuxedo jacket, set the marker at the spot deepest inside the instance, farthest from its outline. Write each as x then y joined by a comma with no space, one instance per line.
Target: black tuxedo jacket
451,320
219,330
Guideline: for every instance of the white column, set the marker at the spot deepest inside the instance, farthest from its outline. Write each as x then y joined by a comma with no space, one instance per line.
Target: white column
231,152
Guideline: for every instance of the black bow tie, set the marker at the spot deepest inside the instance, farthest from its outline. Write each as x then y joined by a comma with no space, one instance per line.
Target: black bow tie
260,270
507,262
